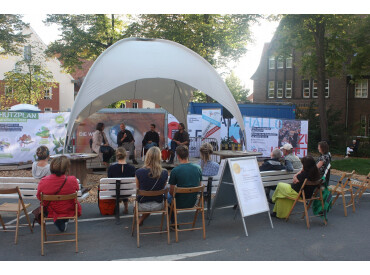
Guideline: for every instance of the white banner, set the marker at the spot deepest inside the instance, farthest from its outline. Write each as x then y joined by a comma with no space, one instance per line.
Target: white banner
265,134
22,132
211,124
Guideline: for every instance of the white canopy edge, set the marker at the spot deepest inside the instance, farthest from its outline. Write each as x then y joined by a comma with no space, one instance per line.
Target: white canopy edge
157,70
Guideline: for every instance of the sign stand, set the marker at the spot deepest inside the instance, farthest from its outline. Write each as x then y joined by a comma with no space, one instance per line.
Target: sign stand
241,183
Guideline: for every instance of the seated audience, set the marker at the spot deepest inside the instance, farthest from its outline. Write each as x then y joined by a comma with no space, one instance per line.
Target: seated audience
151,177
58,183
41,168
283,190
121,170
184,175
290,157
209,168
324,160
271,165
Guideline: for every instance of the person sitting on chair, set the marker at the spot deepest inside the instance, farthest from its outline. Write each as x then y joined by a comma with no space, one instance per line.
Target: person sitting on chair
121,170
152,177
58,183
181,137
209,168
271,165
185,175
289,156
127,141
151,138
100,144
283,190
41,168
324,160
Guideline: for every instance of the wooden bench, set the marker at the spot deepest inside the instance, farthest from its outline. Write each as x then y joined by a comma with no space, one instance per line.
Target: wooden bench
28,187
112,188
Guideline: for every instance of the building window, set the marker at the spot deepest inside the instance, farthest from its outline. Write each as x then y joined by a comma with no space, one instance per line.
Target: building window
279,91
271,91
48,93
289,62
280,63
306,88
123,105
134,105
48,110
361,88
314,88
9,91
288,89
363,125
272,62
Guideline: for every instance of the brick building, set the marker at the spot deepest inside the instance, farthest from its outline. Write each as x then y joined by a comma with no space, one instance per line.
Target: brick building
278,80
58,99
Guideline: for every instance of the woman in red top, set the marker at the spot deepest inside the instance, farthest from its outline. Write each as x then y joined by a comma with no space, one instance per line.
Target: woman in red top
50,185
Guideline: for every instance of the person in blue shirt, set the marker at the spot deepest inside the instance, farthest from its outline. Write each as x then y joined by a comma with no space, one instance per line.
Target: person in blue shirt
209,168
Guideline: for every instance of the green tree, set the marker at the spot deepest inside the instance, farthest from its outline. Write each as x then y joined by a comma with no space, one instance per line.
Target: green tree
29,79
83,37
11,37
235,86
325,44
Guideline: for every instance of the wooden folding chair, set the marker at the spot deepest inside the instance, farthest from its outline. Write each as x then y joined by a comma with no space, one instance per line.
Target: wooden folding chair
361,187
164,211
17,208
198,207
44,235
341,188
317,195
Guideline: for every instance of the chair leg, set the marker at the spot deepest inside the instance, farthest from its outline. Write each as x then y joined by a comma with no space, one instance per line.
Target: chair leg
42,237
203,221
176,232
195,217
133,221
306,214
336,198
2,223
291,209
162,219
137,227
344,204
353,202
17,228
168,224
76,229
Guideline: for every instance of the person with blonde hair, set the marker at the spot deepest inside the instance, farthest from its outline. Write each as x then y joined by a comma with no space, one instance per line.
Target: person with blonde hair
58,183
41,168
151,177
121,170
209,168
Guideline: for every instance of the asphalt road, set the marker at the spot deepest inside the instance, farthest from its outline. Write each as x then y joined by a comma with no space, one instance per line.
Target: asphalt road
100,238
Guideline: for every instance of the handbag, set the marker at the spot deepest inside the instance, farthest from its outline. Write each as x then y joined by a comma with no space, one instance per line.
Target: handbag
106,149
37,212
106,207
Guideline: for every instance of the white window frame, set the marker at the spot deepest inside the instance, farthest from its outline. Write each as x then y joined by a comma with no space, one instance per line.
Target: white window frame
289,62
48,110
271,62
279,89
123,105
280,63
271,89
314,89
361,88
48,93
135,105
305,88
327,88
288,88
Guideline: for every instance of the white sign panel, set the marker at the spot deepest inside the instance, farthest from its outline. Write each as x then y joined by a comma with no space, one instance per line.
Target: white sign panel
248,185
22,132
265,134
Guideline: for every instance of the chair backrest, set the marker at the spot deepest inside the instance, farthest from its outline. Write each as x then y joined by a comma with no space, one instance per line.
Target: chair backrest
151,193
58,197
189,190
313,183
14,190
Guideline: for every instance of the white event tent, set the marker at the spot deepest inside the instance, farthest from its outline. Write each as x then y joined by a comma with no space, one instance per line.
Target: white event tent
161,71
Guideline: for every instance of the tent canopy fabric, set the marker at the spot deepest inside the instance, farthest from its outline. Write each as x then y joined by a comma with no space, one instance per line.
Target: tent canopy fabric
157,70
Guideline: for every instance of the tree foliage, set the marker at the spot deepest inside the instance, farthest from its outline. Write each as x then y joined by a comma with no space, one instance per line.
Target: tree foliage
237,89
83,36
11,37
325,44
28,80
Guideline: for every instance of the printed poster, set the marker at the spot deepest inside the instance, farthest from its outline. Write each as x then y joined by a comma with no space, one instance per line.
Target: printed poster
22,132
211,124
